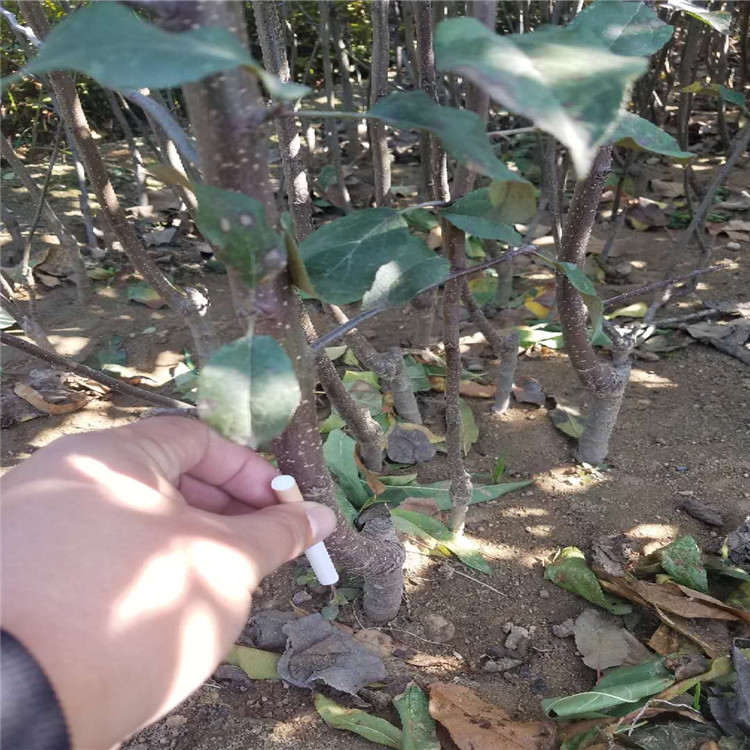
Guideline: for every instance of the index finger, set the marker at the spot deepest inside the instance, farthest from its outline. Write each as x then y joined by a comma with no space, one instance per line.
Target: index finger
186,447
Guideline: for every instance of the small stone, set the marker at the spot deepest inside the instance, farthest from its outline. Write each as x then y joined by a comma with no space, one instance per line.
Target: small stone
644,401
686,493
300,597
516,638
564,629
543,594
539,686
734,246
438,628
501,665
230,673
176,720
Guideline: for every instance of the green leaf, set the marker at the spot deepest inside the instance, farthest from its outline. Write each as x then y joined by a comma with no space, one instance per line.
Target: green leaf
477,215
740,597
6,319
354,720
570,572
416,372
725,568
584,286
719,20
236,224
349,512
529,335
257,664
499,470
469,429
368,376
716,89
123,52
109,357
398,480
342,257
633,132
624,685
462,133
626,28
426,527
145,295
512,200
338,451
563,79
332,422
415,268
483,289
568,422
419,219
248,391
441,492
420,731
682,560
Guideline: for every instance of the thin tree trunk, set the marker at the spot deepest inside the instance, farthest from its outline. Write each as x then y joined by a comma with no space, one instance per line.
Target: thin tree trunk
604,381
52,220
347,96
433,159
389,367
378,89
332,133
193,306
506,372
224,110
275,62
135,154
11,225
25,318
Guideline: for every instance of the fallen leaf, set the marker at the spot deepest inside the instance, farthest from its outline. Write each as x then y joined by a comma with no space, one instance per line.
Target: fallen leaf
27,393
355,720
469,427
476,725
379,643
15,410
528,390
468,388
702,512
426,505
318,651
420,732
667,641
143,293
266,629
569,571
674,735
635,310
605,644
567,421
431,436
158,237
409,446
257,664
682,560
611,554
738,545
372,479
645,215
735,225
668,189
100,274
49,281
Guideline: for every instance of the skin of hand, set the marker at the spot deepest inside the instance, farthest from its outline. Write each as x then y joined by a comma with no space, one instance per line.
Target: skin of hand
129,557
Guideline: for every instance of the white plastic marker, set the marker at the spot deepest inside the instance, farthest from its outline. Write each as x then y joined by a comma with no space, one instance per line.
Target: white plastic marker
287,491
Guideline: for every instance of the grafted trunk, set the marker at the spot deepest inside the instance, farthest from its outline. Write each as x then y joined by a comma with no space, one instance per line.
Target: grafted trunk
226,113
605,382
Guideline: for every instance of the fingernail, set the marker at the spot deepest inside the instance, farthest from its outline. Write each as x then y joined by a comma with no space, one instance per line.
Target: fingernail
322,521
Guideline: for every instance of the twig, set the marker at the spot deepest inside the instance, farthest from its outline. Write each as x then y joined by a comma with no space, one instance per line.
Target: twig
171,127
678,320
87,372
335,334
17,27
476,580
662,284
512,131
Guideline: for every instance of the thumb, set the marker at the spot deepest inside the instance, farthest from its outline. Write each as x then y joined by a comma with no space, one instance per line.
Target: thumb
279,533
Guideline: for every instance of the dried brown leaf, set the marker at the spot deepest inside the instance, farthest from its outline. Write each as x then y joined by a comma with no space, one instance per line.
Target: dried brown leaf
476,725
27,393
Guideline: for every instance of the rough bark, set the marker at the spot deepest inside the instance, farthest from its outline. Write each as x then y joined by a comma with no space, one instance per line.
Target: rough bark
275,62
332,134
11,225
605,381
347,95
135,154
25,318
388,366
460,487
192,307
234,157
506,373
378,89
432,157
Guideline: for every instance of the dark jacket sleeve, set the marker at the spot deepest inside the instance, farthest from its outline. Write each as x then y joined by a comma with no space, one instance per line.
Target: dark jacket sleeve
30,714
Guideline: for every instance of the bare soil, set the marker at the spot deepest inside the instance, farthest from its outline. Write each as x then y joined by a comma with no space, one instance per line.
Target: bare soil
684,426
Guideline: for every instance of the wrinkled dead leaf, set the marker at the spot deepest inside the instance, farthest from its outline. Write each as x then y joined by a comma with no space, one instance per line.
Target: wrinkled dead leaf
668,189
476,725
702,512
469,388
603,643
15,410
266,629
37,400
528,390
645,215
612,555
431,436
667,641
409,446
318,651
379,643
372,479
158,237
567,421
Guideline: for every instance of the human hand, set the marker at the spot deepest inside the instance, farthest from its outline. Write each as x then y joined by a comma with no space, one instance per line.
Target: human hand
129,557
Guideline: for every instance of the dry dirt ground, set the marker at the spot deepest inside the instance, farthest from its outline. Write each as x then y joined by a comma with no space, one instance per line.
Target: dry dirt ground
684,426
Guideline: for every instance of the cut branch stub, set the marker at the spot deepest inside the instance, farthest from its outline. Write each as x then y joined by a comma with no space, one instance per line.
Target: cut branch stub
153,58
236,224
248,391
565,80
